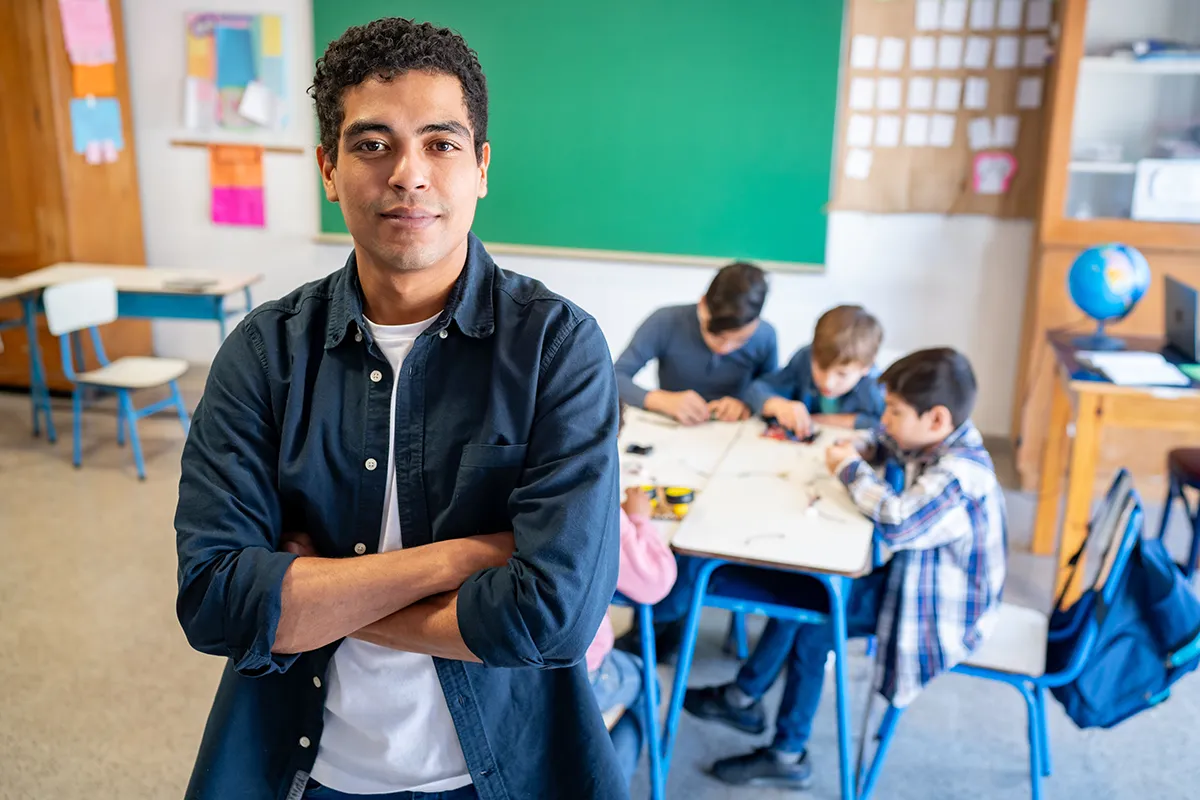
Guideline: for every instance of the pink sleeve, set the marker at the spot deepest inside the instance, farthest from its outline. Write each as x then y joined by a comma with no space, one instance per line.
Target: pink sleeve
647,569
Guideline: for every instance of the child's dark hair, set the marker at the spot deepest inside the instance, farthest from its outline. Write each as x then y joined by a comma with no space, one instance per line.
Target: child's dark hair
846,335
735,297
940,376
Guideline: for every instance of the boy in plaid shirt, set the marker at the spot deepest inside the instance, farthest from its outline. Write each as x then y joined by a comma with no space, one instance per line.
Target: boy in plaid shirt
931,606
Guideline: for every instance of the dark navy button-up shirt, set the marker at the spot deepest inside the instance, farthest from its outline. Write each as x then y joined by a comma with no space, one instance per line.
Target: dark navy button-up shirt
506,419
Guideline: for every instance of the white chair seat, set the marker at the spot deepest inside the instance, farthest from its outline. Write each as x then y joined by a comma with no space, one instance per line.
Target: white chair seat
135,372
1017,644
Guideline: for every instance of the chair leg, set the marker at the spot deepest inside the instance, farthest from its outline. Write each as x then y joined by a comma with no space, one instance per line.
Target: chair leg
1035,741
1039,697
77,425
735,641
184,419
130,415
871,645
887,730
645,622
120,425
1189,568
1173,491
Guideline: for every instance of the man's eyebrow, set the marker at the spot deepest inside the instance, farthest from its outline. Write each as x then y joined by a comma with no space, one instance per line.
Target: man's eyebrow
359,127
449,126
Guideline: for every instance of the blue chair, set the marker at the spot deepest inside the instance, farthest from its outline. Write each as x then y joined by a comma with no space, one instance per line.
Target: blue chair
1015,653
85,305
644,619
1183,470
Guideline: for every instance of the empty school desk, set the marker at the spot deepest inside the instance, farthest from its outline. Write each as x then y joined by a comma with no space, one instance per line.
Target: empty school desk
1094,403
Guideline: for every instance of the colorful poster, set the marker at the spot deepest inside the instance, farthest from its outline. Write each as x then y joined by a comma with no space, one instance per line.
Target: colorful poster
95,121
88,31
236,176
235,71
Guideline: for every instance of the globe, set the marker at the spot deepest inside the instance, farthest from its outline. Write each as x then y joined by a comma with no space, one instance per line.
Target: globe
1106,282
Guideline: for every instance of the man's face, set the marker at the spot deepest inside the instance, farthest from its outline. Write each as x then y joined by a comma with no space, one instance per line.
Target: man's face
836,381
725,342
406,174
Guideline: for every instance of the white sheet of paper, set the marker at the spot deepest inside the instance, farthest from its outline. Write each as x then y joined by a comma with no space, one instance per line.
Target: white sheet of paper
983,15
860,130
93,152
941,130
928,14
979,50
949,94
954,15
1029,93
1035,52
1008,52
1005,129
887,130
979,133
1009,18
950,52
888,95
1135,368
1037,15
891,54
862,94
257,104
923,53
920,93
916,130
862,52
858,164
976,95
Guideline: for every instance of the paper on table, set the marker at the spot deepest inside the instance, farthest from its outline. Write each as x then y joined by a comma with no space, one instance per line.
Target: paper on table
88,31
923,53
1035,52
949,94
941,130
1037,15
983,15
1009,18
858,164
920,93
1008,52
976,94
979,48
258,104
888,94
891,54
928,13
979,133
1029,93
954,15
1135,368
887,130
862,52
1005,130
860,130
950,52
916,130
862,94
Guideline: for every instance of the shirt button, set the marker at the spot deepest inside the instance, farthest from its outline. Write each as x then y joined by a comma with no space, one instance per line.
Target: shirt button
371,464
316,682
358,336
360,548
442,334
376,376
304,741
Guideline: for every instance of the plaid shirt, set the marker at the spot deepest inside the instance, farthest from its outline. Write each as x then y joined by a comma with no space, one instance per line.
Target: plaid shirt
948,537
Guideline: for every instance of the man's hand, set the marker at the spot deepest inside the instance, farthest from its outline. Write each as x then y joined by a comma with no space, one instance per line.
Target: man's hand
729,409
300,544
687,407
838,452
637,503
791,415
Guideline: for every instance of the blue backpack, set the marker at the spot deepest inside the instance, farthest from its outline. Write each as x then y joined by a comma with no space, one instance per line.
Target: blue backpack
1130,636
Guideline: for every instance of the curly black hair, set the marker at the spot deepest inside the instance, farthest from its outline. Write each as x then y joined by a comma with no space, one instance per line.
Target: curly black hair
389,47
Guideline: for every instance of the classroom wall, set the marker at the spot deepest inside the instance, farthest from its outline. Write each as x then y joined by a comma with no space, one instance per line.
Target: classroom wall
931,280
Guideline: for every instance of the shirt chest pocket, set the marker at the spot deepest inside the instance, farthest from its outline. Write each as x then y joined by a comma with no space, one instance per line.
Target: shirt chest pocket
487,475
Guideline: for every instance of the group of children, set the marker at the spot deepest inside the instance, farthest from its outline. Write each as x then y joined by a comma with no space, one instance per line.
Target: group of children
917,468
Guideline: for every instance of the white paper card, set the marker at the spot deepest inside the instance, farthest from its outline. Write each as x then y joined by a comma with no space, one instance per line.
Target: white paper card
93,152
1029,93
920,93
1035,52
862,94
928,15
860,131
888,94
941,130
976,94
983,15
257,104
891,54
923,53
1005,130
1009,18
979,133
858,164
1008,51
979,49
954,15
950,52
862,52
887,131
916,130
1037,15
949,94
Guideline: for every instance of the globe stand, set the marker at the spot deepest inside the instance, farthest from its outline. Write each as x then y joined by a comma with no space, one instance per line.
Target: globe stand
1099,340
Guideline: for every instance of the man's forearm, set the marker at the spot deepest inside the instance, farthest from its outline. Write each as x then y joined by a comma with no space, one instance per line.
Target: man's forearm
429,627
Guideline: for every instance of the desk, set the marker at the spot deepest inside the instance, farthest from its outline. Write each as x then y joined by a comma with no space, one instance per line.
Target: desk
1094,403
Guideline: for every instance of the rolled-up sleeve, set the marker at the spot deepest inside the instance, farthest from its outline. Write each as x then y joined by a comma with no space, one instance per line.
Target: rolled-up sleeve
543,608
780,383
228,519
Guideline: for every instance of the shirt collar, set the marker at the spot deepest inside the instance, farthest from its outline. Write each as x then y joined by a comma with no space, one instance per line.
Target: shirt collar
964,435
470,305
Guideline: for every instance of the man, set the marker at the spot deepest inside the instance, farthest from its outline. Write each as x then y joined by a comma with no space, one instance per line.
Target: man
354,440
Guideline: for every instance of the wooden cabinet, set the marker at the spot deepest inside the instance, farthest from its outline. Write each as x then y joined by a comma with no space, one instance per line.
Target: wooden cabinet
53,205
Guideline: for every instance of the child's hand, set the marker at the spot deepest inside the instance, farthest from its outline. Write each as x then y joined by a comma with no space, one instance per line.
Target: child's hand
637,503
729,409
838,452
791,415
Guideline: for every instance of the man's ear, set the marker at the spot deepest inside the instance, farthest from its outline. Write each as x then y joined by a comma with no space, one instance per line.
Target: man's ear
326,165
485,160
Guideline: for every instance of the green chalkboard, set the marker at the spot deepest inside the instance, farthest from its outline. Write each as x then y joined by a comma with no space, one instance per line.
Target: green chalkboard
682,127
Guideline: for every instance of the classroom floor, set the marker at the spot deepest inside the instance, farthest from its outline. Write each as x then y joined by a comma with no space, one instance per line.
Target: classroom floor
100,695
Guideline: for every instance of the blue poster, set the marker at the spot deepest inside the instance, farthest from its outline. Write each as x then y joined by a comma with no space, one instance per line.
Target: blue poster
96,120
235,57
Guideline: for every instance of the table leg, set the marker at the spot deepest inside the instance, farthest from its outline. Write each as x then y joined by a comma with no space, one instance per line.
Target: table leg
1054,451
839,590
39,392
1079,491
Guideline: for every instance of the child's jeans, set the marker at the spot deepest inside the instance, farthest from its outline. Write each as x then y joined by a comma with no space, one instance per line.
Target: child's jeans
618,682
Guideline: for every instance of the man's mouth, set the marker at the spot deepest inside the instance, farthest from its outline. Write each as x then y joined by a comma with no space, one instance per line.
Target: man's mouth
409,218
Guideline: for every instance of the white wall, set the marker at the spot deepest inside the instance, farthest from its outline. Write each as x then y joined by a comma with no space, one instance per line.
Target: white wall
931,280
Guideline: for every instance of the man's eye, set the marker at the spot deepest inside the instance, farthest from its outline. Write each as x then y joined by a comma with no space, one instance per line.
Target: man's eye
444,146
371,146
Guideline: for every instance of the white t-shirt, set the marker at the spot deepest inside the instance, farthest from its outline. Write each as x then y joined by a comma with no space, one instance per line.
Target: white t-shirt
387,725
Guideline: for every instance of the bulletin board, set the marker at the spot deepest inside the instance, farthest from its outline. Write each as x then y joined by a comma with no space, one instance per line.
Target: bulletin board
941,106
